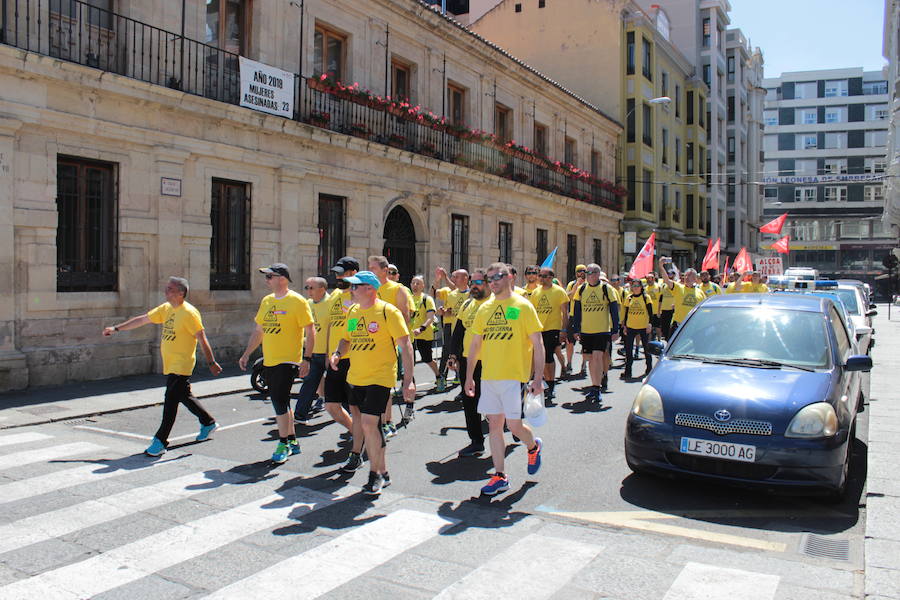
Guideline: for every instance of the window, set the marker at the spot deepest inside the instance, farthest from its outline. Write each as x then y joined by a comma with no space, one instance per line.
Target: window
677,155
596,164
571,151
836,193
770,193
676,214
701,110
540,245
730,69
806,116
876,112
518,8
689,147
875,164
809,89
835,166
874,88
229,246
805,166
689,200
629,53
332,233
571,255
707,77
731,148
631,183
772,93
835,114
664,202
86,232
770,168
456,100
690,108
835,88
836,140
98,11
678,101
730,109
648,124
647,60
502,122
459,242
707,30
598,251
329,53
852,230
770,117
805,194
665,146
663,83
540,139
629,121
648,192
874,193
400,80
504,241
807,141
840,333
876,138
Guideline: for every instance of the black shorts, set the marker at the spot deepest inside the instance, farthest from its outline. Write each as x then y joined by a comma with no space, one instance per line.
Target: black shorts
570,337
551,343
424,348
336,387
280,380
596,342
370,399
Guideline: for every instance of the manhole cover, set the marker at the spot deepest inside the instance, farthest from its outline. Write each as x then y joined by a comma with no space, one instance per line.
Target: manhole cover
42,410
825,547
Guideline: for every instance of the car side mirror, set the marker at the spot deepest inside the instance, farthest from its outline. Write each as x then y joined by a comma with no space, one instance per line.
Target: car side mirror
656,348
871,312
858,363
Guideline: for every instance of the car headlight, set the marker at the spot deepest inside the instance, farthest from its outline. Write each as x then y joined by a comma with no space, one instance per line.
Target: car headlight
813,421
648,404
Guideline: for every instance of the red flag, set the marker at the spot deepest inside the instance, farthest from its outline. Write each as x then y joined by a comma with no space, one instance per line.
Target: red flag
643,264
742,262
782,246
711,260
774,226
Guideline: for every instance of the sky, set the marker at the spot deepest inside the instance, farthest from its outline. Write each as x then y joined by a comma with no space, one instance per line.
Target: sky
806,35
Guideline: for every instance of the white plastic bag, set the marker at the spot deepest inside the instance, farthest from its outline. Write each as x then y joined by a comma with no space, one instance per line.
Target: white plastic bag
535,411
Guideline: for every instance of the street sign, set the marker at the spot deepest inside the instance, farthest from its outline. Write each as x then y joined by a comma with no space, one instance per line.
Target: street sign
770,265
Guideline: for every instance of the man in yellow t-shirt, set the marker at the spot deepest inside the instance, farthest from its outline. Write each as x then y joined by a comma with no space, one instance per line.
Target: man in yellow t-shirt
282,323
754,286
552,305
421,322
532,279
370,339
687,295
666,308
569,336
709,287
451,297
316,289
182,329
506,338
595,323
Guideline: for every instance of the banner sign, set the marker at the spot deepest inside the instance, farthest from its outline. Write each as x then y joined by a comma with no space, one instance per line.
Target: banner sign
266,89
814,179
770,265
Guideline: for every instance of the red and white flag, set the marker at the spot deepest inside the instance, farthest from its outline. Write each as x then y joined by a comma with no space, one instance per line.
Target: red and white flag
711,260
774,226
742,262
643,264
782,246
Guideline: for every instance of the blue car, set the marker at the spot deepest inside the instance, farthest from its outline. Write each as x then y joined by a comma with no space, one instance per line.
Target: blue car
753,389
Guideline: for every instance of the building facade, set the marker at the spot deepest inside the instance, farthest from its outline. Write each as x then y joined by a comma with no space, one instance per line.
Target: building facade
891,52
824,144
130,152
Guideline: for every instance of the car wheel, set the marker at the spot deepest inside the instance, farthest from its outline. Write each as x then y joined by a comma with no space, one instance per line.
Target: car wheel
258,381
837,495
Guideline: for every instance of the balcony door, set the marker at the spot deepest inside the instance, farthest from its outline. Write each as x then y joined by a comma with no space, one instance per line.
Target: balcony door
227,37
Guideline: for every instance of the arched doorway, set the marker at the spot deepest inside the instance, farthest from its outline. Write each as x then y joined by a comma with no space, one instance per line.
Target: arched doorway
400,242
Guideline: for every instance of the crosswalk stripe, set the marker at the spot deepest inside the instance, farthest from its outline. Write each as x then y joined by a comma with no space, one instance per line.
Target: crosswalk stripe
28,457
153,553
698,581
23,438
49,525
332,564
66,478
535,567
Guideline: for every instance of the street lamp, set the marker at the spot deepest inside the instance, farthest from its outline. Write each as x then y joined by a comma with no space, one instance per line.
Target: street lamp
661,100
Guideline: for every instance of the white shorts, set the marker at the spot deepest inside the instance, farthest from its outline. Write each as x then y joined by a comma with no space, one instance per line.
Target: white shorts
501,397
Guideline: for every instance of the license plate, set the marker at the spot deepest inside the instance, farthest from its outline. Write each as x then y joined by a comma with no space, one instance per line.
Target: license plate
726,450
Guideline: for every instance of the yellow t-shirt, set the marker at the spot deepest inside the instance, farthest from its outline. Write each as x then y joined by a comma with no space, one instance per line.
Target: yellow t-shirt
520,291
373,333
321,319
547,302
422,305
748,288
686,298
711,288
653,291
636,316
283,320
570,290
595,317
467,314
178,345
529,289
338,306
506,350
666,298
453,301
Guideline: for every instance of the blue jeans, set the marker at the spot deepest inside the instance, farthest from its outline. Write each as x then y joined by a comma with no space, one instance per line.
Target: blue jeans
310,384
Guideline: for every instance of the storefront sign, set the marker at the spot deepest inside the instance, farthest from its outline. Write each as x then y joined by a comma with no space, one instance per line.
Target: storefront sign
630,238
266,89
769,265
814,179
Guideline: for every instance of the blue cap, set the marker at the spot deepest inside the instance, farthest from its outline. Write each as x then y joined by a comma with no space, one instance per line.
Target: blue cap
366,277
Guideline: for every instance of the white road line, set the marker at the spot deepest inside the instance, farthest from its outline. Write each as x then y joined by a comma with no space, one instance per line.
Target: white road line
27,457
23,438
533,568
53,524
223,428
127,434
60,480
698,581
153,553
148,438
334,563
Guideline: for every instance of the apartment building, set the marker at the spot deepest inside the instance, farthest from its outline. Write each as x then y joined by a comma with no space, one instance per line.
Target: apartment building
824,141
206,138
891,52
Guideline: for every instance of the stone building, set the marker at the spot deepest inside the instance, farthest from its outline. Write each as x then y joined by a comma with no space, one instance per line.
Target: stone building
126,156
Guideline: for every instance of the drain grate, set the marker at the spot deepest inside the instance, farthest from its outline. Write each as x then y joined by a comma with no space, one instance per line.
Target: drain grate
826,547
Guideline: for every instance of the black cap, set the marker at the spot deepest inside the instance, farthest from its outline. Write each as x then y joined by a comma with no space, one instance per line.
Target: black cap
348,263
276,269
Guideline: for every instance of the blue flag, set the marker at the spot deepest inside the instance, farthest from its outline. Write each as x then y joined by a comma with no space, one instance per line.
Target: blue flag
548,262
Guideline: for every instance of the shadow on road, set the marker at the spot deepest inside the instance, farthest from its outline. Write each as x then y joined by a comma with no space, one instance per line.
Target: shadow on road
470,468
486,512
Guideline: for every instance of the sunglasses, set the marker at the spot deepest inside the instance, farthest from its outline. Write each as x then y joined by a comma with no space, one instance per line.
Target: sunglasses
271,275
477,281
581,272
546,276
393,272
593,272
308,287
496,277
531,272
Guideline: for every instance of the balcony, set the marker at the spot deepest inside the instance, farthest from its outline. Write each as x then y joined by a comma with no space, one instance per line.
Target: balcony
74,31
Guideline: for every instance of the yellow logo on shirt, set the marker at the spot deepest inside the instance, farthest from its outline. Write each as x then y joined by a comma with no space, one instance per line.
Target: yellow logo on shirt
497,327
544,305
270,319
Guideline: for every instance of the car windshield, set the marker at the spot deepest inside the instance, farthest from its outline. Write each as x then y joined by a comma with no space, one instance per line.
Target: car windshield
848,297
761,333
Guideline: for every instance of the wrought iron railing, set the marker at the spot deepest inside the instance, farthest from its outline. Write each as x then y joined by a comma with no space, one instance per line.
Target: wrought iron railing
75,31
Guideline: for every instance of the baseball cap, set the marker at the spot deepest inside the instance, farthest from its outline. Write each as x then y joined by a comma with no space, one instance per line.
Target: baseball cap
277,269
364,277
347,263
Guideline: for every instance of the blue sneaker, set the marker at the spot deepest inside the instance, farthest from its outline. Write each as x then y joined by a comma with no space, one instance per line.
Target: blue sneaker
156,448
497,484
282,451
534,457
295,447
205,430
319,404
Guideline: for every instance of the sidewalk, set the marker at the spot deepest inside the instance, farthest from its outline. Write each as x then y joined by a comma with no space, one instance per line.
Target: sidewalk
882,549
